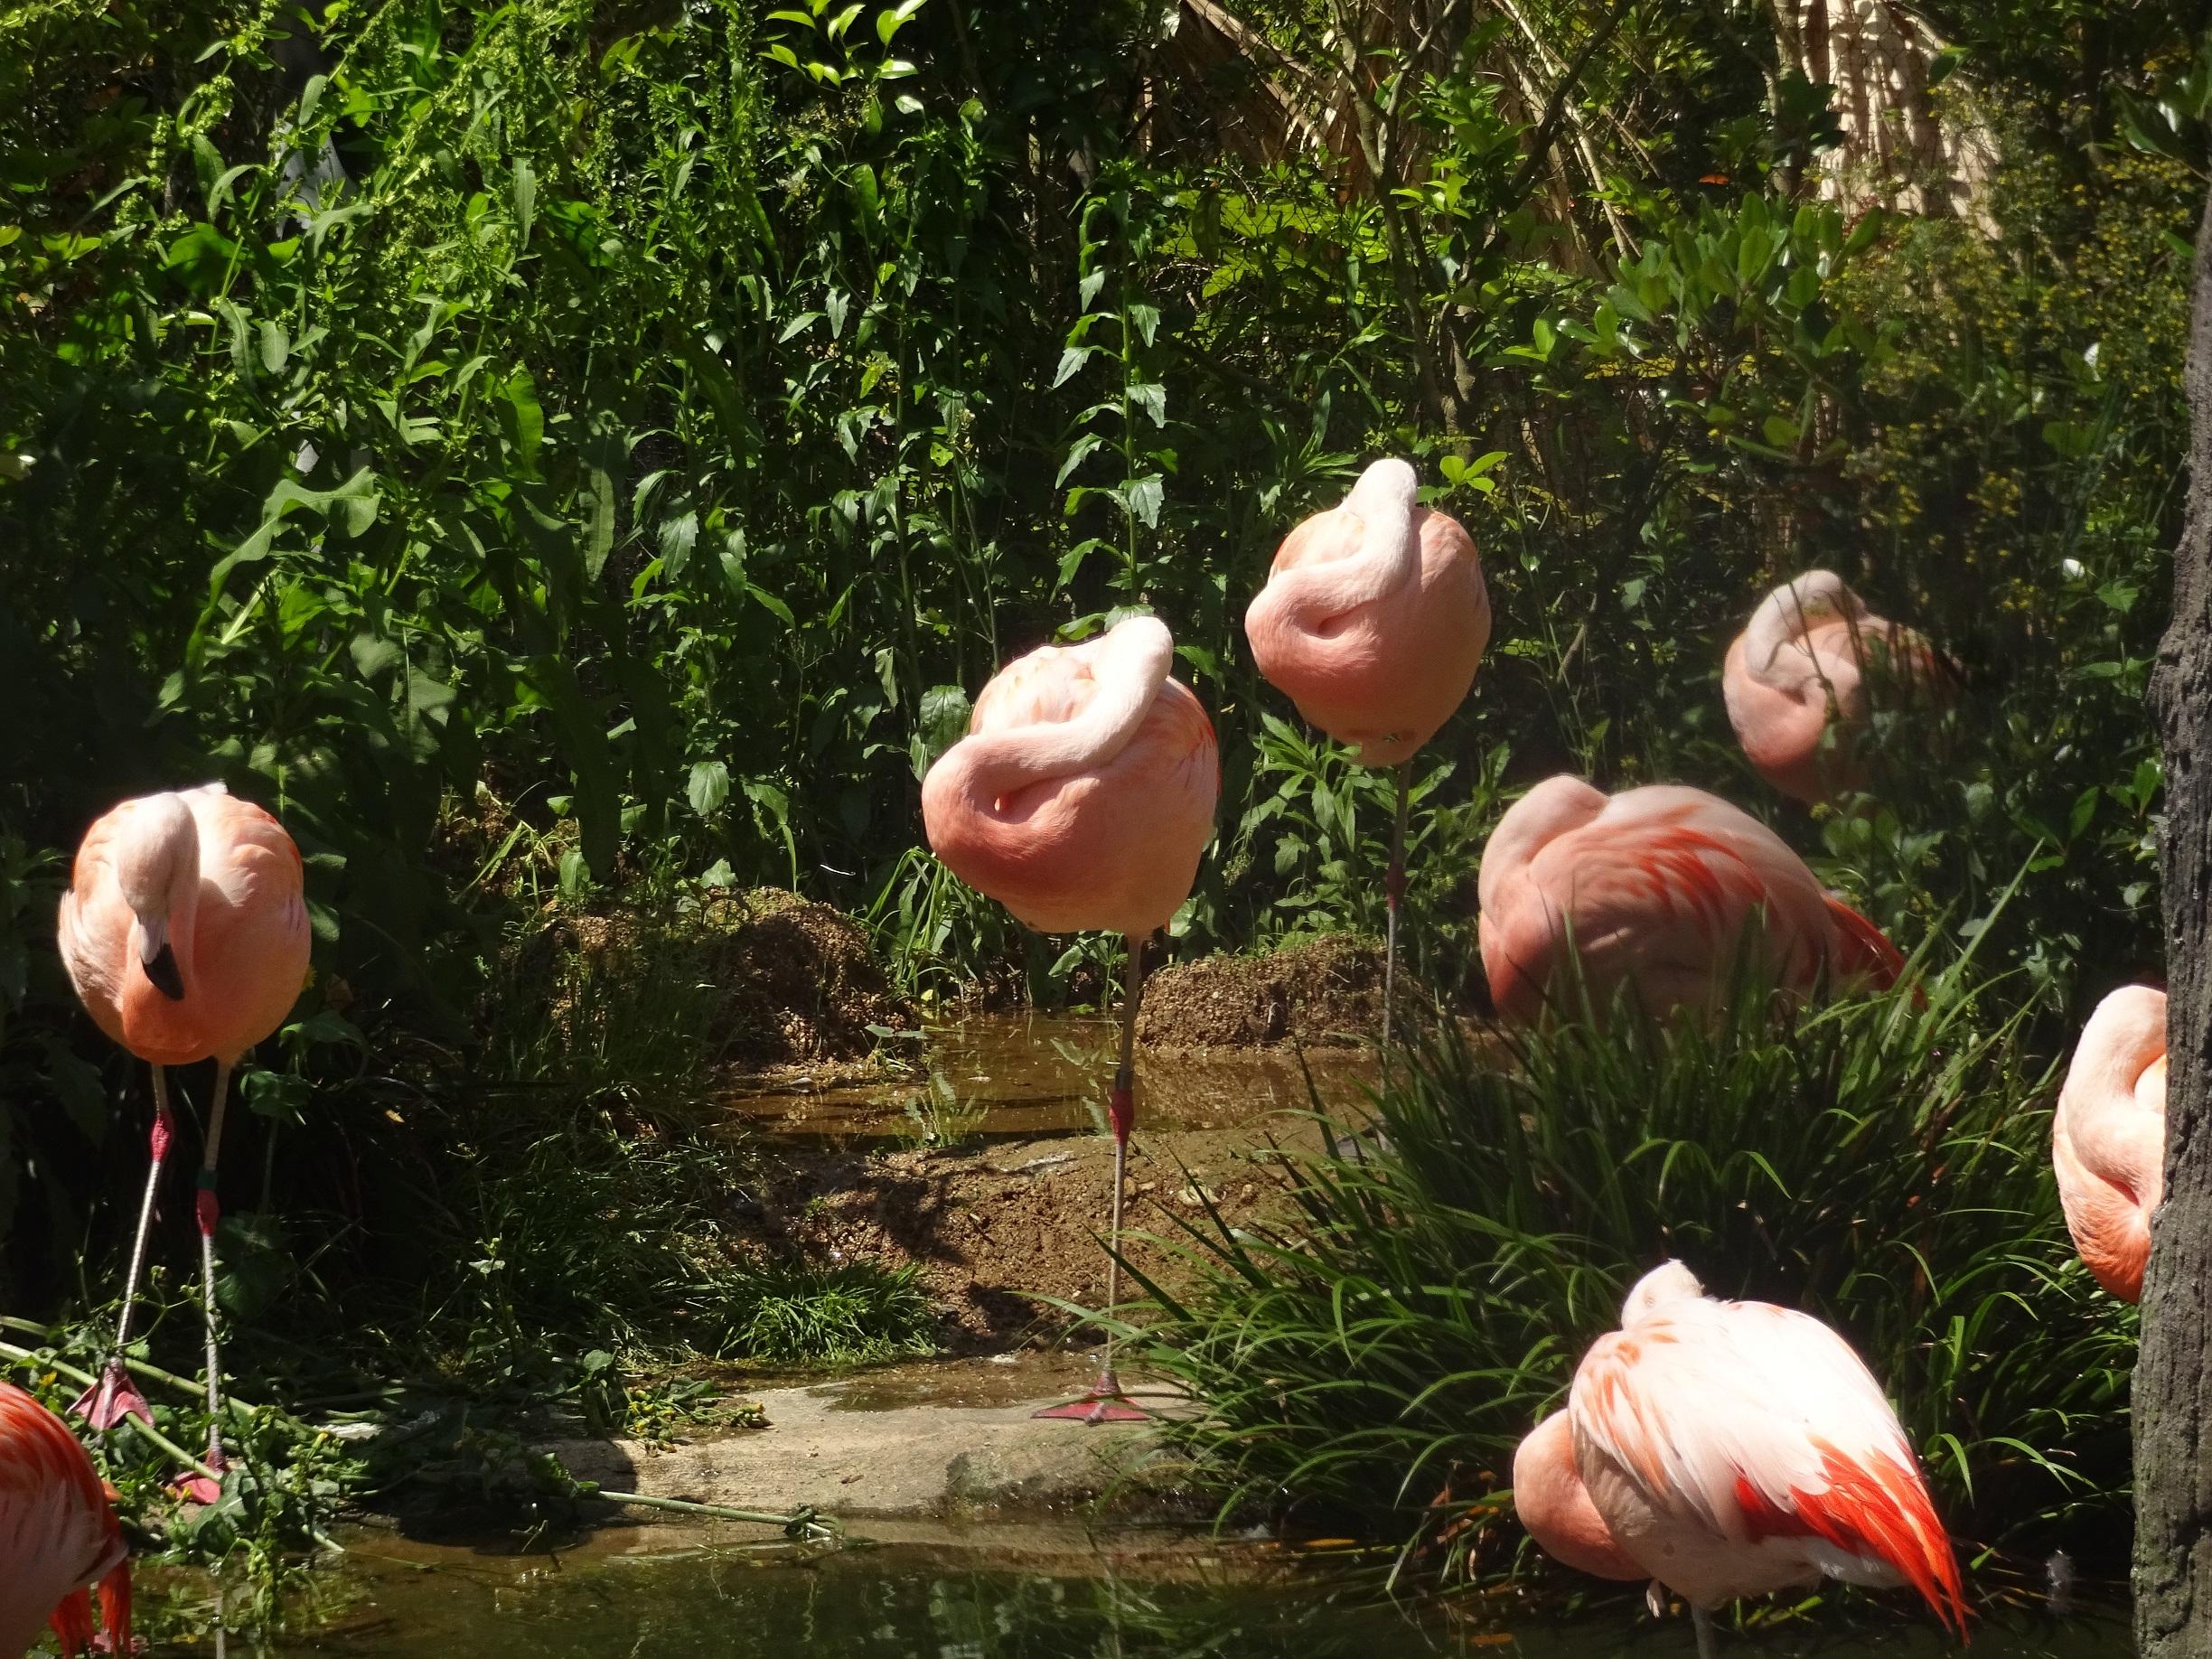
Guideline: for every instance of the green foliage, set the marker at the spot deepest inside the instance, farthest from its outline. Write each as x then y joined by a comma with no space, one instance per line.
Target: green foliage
1883,1164
561,449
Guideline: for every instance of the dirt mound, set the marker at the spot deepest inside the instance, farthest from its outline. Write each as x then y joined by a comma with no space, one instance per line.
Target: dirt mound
1325,991
747,980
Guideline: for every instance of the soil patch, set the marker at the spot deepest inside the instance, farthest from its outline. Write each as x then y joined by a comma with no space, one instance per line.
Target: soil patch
999,1233
1325,992
751,980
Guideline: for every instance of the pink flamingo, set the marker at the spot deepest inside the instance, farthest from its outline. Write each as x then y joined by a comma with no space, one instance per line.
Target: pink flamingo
1374,621
185,933
2108,1137
1081,799
1797,683
1655,887
1735,1448
58,1535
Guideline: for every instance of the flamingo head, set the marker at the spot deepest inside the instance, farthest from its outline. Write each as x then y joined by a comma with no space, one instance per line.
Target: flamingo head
159,854
1668,1283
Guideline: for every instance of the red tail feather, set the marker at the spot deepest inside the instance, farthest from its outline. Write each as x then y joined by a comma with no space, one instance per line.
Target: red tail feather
1861,950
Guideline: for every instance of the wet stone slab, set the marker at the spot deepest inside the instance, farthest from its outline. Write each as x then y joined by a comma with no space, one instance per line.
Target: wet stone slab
953,1440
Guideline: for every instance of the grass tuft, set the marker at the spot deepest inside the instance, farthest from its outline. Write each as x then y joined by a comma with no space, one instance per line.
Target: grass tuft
1377,1353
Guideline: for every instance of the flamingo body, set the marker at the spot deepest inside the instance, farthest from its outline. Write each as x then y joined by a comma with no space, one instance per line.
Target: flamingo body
1375,617
58,1535
217,878
1797,683
1555,1506
1653,887
1083,793
2108,1137
1733,1448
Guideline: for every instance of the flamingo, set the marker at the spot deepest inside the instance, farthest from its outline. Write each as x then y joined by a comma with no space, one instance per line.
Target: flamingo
1796,682
1374,621
185,933
58,1535
1081,798
2108,1137
1734,1448
1655,887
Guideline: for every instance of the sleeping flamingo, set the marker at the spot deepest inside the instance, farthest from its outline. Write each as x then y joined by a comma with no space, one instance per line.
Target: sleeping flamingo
58,1535
1374,621
185,933
1734,1448
1080,800
1656,887
1799,679
2108,1137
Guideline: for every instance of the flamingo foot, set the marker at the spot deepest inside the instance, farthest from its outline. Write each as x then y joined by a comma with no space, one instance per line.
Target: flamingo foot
112,1400
1105,1404
198,1488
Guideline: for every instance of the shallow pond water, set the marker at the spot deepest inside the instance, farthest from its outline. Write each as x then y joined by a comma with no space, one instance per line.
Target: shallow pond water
393,1600
1037,1074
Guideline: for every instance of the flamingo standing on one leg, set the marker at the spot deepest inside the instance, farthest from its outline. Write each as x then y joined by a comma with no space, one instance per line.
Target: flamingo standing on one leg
1799,679
2108,1137
1373,620
58,1535
1734,1448
185,933
1655,887
1080,800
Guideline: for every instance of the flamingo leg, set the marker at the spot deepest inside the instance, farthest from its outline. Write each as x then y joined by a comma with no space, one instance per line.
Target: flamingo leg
1394,890
1708,1648
209,1212
115,1397
1106,1403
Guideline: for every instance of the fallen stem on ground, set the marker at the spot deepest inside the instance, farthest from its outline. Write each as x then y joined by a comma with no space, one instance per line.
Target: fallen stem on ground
806,1520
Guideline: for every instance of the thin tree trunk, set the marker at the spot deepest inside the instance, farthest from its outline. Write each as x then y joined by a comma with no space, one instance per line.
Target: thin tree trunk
2173,1375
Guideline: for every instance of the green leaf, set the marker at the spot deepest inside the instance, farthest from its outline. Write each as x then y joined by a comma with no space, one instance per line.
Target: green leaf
525,201
276,347
709,787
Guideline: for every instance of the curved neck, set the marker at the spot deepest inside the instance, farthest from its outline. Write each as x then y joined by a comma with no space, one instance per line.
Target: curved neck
1130,666
1783,616
1385,502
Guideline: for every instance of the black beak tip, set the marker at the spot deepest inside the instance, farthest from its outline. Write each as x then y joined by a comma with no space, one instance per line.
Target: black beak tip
163,971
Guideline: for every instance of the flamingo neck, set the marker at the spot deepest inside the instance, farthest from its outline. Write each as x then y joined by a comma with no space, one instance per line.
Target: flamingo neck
1787,614
1130,667
1385,502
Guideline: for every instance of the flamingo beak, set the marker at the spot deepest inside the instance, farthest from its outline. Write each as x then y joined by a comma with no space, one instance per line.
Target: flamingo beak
157,958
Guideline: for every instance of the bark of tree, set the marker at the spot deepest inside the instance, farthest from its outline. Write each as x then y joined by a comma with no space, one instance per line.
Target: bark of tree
2174,1373
1896,151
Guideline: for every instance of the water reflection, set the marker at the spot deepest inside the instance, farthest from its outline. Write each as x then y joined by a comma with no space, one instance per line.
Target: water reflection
902,1600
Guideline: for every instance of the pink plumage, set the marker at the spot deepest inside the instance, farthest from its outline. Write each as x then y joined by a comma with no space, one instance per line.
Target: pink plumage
2108,1137
1082,796
226,881
184,931
1734,1448
1375,617
1801,679
1655,887
58,1535
1555,1506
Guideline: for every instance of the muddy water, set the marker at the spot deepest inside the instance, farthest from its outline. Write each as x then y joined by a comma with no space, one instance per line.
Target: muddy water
1027,1596
1007,1076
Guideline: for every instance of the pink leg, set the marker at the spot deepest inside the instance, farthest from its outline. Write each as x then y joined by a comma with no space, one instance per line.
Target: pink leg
200,1489
1106,1403
114,1397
